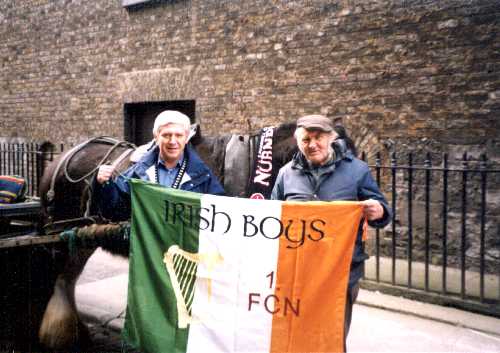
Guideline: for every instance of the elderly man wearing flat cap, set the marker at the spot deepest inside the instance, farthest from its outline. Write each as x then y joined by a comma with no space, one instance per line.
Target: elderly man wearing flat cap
324,169
172,163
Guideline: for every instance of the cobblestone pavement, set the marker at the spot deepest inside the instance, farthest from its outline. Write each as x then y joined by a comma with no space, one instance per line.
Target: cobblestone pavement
104,340
373,329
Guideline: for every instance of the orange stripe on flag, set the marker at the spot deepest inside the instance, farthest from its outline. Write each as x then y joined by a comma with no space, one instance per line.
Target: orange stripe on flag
312,279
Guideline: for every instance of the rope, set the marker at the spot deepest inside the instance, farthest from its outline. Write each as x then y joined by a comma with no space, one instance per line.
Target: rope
64,162
105,139
69,155
95,235
69,236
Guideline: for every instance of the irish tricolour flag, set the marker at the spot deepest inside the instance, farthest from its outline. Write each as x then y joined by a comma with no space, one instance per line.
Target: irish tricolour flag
220,274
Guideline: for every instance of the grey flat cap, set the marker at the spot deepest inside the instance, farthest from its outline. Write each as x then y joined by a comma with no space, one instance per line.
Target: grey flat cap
320,122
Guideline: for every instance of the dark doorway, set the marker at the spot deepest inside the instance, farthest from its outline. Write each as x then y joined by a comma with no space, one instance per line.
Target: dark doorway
140,117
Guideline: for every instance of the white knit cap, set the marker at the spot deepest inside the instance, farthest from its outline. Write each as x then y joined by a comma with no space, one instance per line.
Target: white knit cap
171,117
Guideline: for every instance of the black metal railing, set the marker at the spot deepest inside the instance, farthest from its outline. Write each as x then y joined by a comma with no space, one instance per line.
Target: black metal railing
444,241
443,244
26,160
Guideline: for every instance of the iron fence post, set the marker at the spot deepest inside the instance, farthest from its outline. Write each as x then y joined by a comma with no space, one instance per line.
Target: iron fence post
482,168
427,164
410,218
377,231
394,210
445,222
39,166
464,226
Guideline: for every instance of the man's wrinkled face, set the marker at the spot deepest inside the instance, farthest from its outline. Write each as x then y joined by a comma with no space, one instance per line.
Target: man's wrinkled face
316,145
171,139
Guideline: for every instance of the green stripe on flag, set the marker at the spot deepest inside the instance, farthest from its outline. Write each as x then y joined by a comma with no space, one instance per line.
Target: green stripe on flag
161,218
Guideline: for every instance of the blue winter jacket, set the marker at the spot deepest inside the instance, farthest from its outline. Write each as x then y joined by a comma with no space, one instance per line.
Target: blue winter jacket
346,178
113,197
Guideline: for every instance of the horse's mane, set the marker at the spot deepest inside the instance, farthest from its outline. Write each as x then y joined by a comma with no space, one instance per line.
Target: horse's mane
284,146
212,150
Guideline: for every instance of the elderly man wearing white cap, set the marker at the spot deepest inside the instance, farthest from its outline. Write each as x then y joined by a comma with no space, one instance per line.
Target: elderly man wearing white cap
172,163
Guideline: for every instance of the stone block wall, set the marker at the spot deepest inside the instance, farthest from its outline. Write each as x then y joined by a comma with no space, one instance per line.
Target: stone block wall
394,71
402,75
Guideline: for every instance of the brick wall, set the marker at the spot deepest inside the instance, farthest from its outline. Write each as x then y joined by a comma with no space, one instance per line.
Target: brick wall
397,72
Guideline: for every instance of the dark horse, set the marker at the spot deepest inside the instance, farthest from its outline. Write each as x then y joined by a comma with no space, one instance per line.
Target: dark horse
65,192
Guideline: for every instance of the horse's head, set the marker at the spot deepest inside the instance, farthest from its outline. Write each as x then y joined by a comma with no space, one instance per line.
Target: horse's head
231,157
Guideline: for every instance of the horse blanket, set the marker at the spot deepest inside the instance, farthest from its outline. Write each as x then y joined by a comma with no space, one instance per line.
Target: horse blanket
12,189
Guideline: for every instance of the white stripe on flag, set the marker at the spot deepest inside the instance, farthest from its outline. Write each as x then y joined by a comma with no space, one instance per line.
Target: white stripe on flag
224,283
